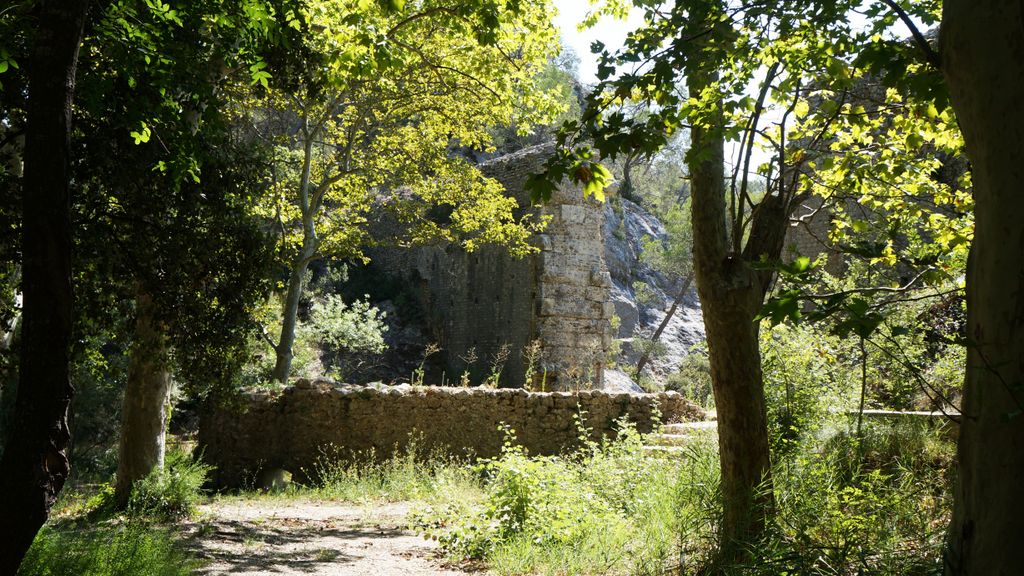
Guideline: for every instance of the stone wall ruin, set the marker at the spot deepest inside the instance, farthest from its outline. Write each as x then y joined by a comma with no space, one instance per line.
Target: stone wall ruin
545,318
292,430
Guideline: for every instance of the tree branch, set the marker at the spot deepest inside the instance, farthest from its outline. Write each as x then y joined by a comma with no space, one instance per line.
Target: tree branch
930,55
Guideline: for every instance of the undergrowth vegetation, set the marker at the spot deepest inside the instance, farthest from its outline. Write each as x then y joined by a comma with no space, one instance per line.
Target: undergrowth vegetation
846,505
874,504
90,537
129,548
412,474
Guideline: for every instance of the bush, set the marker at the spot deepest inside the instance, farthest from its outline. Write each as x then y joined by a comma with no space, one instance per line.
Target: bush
129,549
613,508
876,505
693,379
355,327
616,508
805,375
172,492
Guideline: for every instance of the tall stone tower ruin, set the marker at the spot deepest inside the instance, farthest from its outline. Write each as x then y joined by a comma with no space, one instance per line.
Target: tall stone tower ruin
545,318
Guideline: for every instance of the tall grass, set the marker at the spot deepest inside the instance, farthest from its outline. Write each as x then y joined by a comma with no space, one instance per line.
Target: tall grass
612,509
411,474
130,548
845,506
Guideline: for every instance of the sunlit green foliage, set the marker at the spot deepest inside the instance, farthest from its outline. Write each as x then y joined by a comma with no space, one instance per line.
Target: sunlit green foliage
128,549
376,123
846,506
412,474
612,509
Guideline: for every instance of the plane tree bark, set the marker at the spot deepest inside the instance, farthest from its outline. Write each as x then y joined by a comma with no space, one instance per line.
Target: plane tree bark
35,464
147,398
731,294
981,44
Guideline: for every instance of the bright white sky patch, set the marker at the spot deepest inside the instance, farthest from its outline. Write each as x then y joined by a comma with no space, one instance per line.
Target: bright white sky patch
609,30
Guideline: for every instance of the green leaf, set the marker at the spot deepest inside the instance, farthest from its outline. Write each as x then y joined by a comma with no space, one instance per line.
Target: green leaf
785,306
142,135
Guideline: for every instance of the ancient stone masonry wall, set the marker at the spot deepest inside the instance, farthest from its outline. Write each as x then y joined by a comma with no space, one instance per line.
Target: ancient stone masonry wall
485,309
291,430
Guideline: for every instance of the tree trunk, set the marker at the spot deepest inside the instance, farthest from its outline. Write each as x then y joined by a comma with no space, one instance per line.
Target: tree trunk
731,294
35,465
283,365
664,323
730,297
310,244
147,397
981,46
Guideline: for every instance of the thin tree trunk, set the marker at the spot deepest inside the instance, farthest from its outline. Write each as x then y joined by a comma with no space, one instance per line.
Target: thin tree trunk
731,294
147,397
310,244
664,323
35,464
283,364
981,47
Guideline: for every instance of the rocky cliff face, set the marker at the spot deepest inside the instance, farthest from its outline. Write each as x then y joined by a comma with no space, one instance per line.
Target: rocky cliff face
626,225
588,269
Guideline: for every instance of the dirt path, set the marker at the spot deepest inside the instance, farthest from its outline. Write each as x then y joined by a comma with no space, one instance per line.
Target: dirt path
253,537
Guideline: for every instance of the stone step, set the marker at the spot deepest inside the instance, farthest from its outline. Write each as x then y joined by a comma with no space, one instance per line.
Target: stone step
674,451
667,439
689,427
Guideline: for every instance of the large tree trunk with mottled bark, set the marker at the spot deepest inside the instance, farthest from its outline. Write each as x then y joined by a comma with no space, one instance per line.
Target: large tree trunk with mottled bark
35,465
147,397
982,48
731,294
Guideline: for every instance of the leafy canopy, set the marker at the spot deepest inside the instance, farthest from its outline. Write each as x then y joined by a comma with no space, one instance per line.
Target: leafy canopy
377,123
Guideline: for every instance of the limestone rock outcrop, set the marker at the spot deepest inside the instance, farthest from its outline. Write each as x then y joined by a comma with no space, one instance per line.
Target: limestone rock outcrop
626,226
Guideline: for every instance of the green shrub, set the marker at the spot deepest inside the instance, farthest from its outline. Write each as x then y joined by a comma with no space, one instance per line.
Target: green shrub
132,548
878,505
172,492
610,509
356,327
844,507
805,375
693,378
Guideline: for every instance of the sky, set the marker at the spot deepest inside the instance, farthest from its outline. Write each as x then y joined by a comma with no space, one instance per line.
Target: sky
613,32
610,31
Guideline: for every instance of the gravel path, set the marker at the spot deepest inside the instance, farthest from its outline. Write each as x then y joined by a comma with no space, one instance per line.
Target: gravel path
251,537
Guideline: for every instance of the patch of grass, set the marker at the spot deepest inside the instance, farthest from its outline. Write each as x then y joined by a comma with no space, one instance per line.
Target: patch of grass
128,548
612,509
411,474
844,507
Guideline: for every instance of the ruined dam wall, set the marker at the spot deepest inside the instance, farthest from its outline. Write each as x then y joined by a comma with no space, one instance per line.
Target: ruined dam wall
485,309
290,430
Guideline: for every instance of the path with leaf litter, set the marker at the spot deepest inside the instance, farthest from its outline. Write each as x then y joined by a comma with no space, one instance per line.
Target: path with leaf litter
280,537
